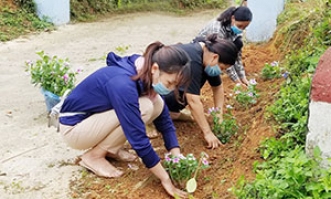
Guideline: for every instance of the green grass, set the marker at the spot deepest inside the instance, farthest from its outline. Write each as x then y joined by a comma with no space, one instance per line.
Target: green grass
17,22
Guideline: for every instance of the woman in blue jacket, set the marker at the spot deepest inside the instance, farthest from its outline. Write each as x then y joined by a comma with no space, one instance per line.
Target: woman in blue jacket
113,104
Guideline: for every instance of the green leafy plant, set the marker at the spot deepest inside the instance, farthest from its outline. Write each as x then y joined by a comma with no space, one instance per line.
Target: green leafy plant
227,128
271,71
52,73
290,110
287,171
246,96
181,168
290,175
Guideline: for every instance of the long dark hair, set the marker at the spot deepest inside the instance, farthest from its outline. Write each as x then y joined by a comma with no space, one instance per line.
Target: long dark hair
241,13
227,50
171,60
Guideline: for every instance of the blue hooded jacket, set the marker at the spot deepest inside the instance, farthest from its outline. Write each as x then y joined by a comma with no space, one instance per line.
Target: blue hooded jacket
111,88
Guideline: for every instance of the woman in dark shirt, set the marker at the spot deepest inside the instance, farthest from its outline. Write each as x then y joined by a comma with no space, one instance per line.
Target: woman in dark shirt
208,57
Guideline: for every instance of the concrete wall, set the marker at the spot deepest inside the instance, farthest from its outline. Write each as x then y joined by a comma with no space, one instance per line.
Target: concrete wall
319,123
264,21
56,11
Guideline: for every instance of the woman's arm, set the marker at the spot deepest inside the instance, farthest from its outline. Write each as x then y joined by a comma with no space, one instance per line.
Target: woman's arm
240,70
198,114
234,71
218,96
165,125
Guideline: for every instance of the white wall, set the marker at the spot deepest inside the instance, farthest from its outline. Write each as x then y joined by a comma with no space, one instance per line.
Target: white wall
57,11
264,21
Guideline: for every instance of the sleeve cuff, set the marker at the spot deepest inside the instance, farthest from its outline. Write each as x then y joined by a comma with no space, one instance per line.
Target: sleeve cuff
151,159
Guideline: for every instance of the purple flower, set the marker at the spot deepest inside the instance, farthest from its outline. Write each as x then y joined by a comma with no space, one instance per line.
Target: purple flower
205,162
167,157
175,160
252,82
29,62
211,110
274,63
250,94
285,75
237,92
65,78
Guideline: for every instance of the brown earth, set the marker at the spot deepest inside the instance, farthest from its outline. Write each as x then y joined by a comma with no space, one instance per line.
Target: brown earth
34,161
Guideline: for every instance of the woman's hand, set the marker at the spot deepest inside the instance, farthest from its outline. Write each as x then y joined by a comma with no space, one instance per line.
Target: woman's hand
162,174
175,151
244,82
172,190
212,141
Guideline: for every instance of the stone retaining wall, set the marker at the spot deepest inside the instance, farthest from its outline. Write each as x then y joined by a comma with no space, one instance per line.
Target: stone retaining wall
319,123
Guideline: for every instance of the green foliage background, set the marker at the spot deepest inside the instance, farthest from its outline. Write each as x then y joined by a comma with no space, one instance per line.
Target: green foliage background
287,172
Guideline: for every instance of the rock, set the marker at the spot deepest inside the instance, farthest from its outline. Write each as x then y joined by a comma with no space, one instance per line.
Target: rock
319,123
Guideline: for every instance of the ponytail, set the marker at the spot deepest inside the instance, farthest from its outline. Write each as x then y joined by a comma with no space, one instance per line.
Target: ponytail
225,17
145,73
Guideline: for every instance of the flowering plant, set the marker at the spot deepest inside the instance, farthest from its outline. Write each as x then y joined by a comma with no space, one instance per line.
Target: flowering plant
271,71
52,74
246,96
181,168
225,130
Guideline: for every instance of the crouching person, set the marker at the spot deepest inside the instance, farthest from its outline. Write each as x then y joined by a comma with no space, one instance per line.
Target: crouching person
113,104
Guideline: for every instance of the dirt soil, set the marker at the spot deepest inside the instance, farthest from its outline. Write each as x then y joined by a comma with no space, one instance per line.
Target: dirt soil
34,161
